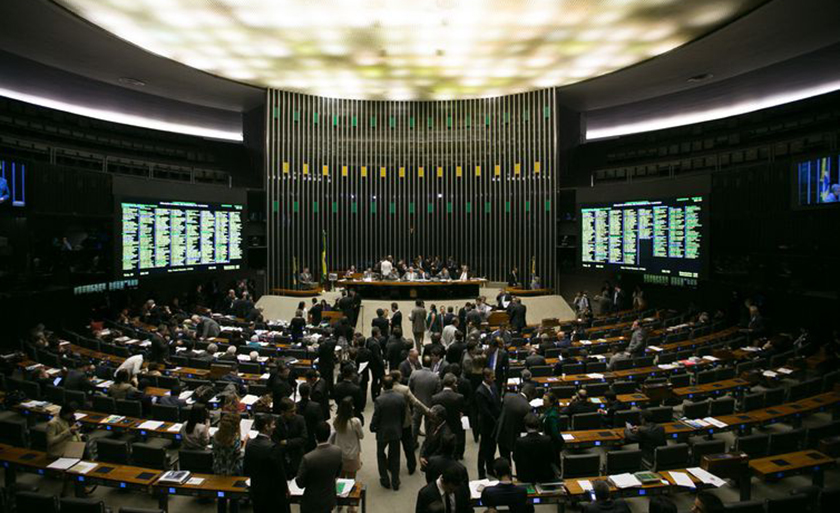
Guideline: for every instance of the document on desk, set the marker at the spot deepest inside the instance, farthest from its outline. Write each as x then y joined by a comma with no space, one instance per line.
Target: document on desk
715,422
294,489
586,485
63,463
174,428
343,487
249,399
186,394
150,424
567,437
706,477
595,375
83,467
682,479
478,486
769,374
195,481
625,480
536,403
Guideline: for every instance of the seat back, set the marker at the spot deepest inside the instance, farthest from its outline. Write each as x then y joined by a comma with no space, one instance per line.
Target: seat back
752,402
704,447
680,380
786,441
104,404
564,392
621,417
662,414
542,371
619,462
744,507
722,406
40,502
596,389
754,445
112,451
13,432
572,368
696,410
75,505
586,421
623,387
166,413
129,408
250,367
774,397
76,397
726,373
580,465
797,502
670,457
149,456
643,361
596,366
708,376
38,437
817,433
623,364
54,394
196,461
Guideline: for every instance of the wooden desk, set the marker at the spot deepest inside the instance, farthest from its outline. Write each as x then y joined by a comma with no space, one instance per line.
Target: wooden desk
709,389
773,468
124,477
515,291
414,289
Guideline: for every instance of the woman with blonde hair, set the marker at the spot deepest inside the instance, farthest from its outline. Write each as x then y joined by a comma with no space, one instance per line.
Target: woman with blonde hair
347,436
227,453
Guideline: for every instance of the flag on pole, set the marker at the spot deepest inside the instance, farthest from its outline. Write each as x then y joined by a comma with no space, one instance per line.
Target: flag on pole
324,258
533,266
825,178
294,272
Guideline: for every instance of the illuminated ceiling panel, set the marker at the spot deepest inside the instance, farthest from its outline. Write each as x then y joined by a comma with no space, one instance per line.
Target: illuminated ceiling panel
400,49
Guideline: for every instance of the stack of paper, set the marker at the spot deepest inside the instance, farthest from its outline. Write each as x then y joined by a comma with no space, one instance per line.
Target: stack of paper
63,463
682,479
104,384
343,487
586,485
595,375
625,480
83,467
655,348
784,370
711,358
294,489
769,374
715,422
174,428
265,376
249,399
567,437
186,394
667,366
150,424
465,423
586,342
112,419
195,481
595,400
80,415
706,477
478,486
536,403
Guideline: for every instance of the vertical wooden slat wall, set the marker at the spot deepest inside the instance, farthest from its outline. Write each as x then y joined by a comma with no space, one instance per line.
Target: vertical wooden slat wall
472,179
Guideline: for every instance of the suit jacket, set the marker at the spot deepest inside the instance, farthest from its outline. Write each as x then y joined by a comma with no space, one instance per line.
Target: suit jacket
533,454
316,313
312,414
407,368
346,388
608,506
455,351
512,279
437,464
264,465
429,499
512,419
395,352
321,395
489,408
388,416
418,320
502,366
383,325
637,342
396,320
293,431
79,381
424,384
517,316
513,496
649,437
318,471
534,359
455,407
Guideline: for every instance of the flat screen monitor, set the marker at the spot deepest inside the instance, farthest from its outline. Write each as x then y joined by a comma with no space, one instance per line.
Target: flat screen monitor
666,237
160,237
818,181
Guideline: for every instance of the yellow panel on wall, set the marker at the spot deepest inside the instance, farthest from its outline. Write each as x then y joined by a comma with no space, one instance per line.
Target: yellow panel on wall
440,172
285,168
364,171
305,168
497,170
383,171
402,172
420,172
343,170
536,167
458,171
325,170
477,170
517,168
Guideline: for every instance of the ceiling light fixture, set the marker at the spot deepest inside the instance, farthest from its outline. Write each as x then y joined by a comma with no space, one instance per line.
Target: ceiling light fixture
133,82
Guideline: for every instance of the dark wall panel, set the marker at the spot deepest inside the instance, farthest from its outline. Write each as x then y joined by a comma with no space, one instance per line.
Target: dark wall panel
473,179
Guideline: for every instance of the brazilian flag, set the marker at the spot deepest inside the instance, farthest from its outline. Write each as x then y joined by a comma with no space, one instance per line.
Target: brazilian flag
324,258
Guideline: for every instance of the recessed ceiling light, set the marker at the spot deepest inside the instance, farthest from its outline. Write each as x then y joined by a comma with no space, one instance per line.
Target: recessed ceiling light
133,82
700,78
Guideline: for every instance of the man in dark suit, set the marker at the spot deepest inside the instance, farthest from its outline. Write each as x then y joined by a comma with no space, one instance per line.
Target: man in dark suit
396,316
388,417
318,472
448,316
489,408
444,460
79,379
396,349
280,384
312,413
637,340
649,435
264,465
533,454
517,313
326,360
382,323
409,365
498,361
534,358
444,495
346,388
455,408
316,312
507,494
580,404
377,361
456,349
619,299
513,278
603,503
290,434
512,419
319,392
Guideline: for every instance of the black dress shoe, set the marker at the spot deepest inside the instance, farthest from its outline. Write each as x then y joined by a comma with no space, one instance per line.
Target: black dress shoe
385,483
395,486
411,471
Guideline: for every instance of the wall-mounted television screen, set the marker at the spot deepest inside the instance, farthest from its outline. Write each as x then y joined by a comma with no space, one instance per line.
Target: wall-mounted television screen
178,236
818,181
661,236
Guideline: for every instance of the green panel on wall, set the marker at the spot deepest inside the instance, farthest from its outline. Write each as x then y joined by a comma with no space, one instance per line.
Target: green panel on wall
392,121
507,207
411,207
430,208
354,121
295,207
296,115
335,120
392,208
314,207
448,207
372,207
527,206
334,207
546,111
468,208
411,122
354,207
487,207
373,121
315,118
275,206
548,205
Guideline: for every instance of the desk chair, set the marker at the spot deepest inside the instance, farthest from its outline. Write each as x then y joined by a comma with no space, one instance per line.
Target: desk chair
250,367
662,414
165,413
38,436
670,457
257,389
786,441
13,432
754,445
619,462
817,433
704,377
129,408
76,397
583,421
643,361
752,402
798,391
623,387
564,391
701,448
696,410
722,406
200,462
168,382
140,510
596,366
726,373
798,502
597,389
623,364
54,394
104,404
634,417
542,371
40,502
112,451
580,465
744,507
774,397
150,456
74,505
828,499
665,358
572,368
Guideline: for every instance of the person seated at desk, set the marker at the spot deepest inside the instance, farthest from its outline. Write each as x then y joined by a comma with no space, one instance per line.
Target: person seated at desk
350,273
195,433
506,494
603,503
368,275
79,379
536,282
305,279
649,435
609,408
229,355
393,275
465,273
123,386
533,454
444,274
534,358
580,404
411,275
617,357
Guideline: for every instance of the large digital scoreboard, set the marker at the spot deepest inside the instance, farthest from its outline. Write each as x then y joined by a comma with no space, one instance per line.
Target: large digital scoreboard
662,236
178,236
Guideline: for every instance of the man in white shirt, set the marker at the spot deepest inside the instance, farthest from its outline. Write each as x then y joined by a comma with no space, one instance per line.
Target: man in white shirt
448,334
465,273
447,491
385,267
411,275
133,364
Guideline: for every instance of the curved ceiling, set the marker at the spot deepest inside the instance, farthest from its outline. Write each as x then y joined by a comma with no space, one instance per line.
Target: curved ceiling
418,50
